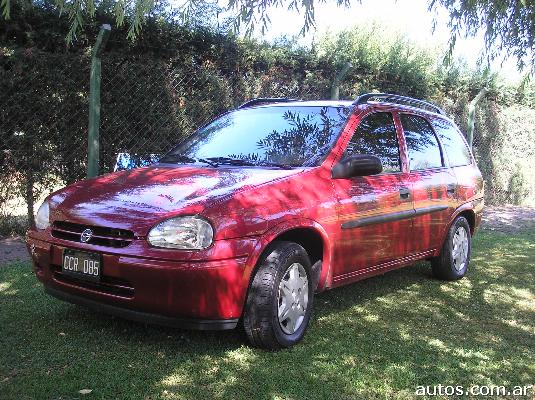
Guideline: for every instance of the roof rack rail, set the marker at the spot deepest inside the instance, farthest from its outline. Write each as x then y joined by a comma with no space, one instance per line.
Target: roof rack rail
265,100
394,98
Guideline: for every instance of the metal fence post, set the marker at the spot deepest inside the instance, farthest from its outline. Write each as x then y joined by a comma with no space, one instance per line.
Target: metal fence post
472,116
93,137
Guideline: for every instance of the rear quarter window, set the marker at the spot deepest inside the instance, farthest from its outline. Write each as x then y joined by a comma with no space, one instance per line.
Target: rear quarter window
453,143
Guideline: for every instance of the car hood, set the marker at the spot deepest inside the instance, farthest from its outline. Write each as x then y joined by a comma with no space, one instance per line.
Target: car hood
139,198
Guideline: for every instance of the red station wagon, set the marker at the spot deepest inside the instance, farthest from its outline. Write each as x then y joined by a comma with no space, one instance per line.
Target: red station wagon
254,213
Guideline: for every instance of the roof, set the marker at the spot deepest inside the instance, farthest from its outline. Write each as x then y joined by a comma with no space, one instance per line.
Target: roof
388,100
301,103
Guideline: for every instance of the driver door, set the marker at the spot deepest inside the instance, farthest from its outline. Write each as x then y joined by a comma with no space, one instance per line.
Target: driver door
374,211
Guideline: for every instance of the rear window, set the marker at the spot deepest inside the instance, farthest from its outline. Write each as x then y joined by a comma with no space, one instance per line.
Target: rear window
453,143
422,144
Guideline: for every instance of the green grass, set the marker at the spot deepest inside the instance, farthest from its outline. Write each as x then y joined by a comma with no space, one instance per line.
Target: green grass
378,338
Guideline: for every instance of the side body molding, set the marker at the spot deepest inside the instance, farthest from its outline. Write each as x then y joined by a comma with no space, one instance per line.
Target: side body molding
395,216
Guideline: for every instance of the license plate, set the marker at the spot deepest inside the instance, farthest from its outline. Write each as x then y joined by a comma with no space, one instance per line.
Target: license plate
82,264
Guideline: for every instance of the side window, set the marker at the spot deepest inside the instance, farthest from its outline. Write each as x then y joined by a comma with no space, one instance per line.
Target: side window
422,144
453,143
376,135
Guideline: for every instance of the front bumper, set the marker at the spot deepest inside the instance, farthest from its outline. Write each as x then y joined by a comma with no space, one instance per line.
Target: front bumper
196,294
149,318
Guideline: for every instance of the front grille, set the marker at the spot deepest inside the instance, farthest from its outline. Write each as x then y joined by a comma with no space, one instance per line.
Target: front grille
102,236
107,284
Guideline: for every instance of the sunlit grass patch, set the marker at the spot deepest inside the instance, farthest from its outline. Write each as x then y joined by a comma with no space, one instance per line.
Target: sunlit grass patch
378,338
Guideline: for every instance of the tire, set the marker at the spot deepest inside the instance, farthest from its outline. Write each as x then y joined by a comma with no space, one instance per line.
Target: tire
285,262
452,263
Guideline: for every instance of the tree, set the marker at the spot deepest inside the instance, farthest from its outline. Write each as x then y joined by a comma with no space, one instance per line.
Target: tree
509,25
251,13
244,14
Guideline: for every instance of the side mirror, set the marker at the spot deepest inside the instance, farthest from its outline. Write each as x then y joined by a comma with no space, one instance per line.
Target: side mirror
357,165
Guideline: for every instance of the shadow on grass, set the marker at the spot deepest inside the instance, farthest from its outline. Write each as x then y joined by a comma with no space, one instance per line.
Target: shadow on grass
377,338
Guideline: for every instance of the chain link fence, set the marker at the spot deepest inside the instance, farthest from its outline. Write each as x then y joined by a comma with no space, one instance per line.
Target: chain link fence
148,103
43,126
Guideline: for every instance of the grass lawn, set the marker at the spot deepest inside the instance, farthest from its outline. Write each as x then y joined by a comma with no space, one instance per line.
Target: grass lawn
379,338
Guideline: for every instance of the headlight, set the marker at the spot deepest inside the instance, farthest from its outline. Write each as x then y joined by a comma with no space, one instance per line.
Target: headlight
42,219
186,233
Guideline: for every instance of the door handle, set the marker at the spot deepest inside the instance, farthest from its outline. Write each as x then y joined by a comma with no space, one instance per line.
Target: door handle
404,192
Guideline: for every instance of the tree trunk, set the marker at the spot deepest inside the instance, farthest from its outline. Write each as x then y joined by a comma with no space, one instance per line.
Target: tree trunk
335,89
30,201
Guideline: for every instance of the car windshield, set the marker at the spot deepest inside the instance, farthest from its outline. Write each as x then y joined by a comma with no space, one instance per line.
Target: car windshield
276,136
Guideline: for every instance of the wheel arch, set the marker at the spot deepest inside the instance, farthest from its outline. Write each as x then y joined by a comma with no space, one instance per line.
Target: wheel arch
308,234
470,216
466,211
309,238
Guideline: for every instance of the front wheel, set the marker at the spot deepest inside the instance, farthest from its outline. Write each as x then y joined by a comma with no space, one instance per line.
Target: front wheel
280,299
452,263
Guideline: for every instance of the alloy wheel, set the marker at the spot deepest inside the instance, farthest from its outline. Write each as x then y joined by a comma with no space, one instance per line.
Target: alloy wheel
459,252
293,298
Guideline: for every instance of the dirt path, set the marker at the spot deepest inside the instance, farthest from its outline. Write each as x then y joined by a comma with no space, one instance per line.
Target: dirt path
11,250
506,219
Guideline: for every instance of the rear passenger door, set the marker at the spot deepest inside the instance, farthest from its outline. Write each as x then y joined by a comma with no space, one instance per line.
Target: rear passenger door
433,183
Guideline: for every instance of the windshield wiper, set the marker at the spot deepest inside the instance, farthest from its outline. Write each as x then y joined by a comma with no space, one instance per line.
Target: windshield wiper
207,161
230,161
252,163
217,161
180,158
275,165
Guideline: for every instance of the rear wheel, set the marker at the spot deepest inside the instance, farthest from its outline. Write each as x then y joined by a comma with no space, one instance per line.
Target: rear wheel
452,263
280,299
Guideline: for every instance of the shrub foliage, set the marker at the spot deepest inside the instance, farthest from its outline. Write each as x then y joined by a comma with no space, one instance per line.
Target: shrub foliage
173,79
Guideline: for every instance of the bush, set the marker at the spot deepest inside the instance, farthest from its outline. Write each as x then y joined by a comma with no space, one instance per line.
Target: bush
157,90
513,155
